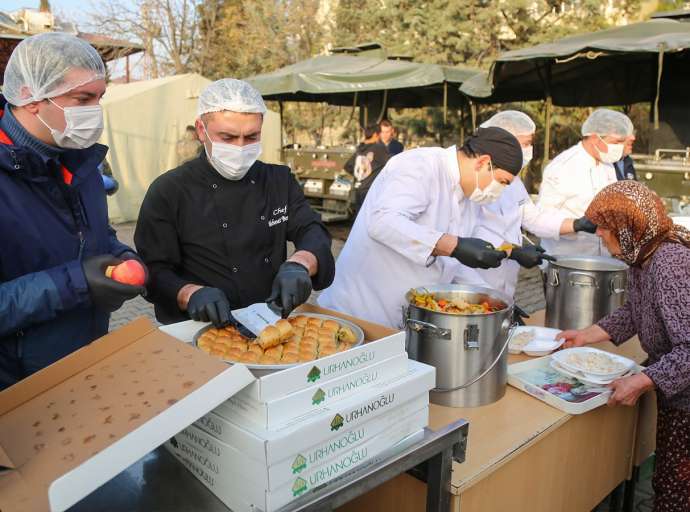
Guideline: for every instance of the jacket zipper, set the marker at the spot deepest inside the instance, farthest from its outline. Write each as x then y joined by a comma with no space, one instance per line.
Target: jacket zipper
82,243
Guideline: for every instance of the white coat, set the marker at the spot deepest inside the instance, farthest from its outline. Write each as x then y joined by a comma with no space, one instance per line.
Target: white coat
501,222
415,200
569,184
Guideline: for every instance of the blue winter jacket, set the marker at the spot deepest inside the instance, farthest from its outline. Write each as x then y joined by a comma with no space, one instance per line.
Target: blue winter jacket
46,229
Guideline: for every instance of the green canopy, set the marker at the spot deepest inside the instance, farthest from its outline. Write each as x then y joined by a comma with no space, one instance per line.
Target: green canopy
341,79
618,66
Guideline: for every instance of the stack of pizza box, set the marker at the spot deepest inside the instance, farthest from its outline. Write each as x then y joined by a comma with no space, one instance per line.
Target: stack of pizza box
292,431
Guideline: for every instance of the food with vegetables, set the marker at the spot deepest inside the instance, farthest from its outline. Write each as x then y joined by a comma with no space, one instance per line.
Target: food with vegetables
452,306
309,338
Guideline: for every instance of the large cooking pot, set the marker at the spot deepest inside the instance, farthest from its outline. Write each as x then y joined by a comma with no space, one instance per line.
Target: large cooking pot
582,290
468,350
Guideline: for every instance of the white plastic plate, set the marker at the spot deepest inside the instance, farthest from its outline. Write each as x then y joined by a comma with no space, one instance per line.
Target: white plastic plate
561,358
538,348
544,337
596,383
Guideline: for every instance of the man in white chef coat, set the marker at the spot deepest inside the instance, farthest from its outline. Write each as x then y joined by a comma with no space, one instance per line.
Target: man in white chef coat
574,177
503,220
417,220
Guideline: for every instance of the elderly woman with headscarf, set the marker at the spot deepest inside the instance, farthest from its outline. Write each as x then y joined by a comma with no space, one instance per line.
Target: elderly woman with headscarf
633,224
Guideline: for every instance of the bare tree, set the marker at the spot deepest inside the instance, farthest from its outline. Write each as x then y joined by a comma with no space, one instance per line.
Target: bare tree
166,28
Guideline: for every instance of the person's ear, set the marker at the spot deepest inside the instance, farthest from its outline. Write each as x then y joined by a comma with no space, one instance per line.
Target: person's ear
600,144
200,131
32,108
482,163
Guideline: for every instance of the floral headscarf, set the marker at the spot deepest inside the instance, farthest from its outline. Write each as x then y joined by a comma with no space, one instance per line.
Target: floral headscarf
638,219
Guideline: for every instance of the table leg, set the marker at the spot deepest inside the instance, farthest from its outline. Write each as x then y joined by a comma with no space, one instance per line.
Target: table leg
438,481
630,486
615,498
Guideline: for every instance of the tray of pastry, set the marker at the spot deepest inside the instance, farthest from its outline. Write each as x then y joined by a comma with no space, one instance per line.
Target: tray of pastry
300,338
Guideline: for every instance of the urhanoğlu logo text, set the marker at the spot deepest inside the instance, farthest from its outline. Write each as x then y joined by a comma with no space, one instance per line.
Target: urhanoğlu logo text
279,215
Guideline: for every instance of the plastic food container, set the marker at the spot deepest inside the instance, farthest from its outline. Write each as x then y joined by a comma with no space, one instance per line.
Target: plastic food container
542,343
587,379
539,348
623,364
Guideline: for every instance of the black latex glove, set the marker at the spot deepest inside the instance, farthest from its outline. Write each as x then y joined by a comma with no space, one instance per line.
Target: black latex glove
131,255
477,253
107,294
584,224
530,256
209,305
291,287
519,315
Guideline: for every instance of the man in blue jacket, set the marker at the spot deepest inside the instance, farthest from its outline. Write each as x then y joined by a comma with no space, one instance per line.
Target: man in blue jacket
625,167
55,239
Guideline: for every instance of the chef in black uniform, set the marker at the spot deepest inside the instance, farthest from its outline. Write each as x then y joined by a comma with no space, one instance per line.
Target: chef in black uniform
213,231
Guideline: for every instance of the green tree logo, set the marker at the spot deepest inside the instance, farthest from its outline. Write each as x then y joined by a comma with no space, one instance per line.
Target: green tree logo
299,486
314,374
318,397
338,421
299,464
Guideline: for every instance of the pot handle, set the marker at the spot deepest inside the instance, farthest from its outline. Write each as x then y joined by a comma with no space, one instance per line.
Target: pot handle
554,282
614,286
467,384
592,280
419,326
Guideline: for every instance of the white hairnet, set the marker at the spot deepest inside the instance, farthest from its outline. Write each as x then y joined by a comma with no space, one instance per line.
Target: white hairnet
39,67
608,122
516,122
233,95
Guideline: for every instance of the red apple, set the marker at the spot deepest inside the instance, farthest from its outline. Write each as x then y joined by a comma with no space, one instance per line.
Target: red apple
128,272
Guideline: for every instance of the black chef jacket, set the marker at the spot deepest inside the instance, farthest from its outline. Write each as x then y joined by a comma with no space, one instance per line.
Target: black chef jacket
196,227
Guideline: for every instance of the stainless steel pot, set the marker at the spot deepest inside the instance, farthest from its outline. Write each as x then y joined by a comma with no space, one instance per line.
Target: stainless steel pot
582,290
468,351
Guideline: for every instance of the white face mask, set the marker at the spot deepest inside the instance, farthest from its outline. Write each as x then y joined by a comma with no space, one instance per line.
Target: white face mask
83,126
232,162
490,194
527,154
613,154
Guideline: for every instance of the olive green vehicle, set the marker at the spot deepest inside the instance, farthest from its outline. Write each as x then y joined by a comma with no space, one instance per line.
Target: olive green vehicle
667,172
328,187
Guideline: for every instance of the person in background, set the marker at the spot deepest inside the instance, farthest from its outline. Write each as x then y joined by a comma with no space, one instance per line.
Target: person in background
625,167
388,134
56,240
366,163
503,220
214,230
635,227
417,220
188,147
573,178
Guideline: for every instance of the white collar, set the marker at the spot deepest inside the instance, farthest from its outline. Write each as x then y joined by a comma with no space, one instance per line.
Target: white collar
452,165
